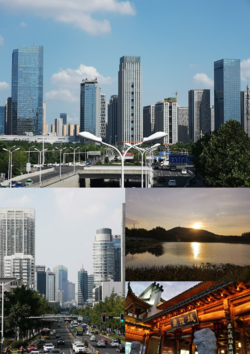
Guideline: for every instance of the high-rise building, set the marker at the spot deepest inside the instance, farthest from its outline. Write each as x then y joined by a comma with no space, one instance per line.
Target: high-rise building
82,286
64,130
91,282
199,113
71,291
46,128
166,120
71,129
245,118
61,273
111,127
59,126
183,124
44,116
148,120
40,279
117,254
8,120
64,117
60,297
77,127
17,233
103,256
90,107
27,90
2,120
50,285
53,128
212,118
21,266
103,116
130,115
226,91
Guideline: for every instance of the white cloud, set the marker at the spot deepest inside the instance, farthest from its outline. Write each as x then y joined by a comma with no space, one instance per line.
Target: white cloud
72,78
61,95
74,120
203,79
1,40
78,13
23,24
4,85
245,69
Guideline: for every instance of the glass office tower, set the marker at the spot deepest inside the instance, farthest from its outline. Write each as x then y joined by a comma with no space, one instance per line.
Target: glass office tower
82,287
27,90
2,120
90,99
226,91
61,273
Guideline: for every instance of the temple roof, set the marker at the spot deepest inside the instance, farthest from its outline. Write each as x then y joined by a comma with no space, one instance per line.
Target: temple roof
132,298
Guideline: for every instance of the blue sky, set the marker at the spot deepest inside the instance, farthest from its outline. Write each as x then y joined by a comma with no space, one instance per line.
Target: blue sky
66,222
178,41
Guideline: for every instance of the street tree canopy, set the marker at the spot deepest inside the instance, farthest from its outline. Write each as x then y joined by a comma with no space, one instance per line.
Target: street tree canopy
223,157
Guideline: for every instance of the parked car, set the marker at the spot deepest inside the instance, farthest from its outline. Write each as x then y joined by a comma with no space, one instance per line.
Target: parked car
172,183
92,338
28,182
48,347
121,348
31,347
101,343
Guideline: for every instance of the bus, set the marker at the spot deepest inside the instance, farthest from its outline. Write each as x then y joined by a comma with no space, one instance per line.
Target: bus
45,333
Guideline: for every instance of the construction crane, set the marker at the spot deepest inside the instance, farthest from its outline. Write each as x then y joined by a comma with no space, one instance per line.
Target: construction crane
175,93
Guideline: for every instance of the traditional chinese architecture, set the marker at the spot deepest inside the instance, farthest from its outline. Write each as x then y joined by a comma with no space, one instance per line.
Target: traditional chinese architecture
168,327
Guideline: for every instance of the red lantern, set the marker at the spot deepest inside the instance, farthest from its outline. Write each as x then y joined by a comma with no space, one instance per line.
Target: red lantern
218,327
177,333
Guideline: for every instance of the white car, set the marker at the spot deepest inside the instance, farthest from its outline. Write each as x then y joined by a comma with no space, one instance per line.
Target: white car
114,343
101,343
80,348
48,347
183,171
92,338
75,343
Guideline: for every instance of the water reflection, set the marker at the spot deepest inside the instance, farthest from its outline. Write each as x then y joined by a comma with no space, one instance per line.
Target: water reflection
195,249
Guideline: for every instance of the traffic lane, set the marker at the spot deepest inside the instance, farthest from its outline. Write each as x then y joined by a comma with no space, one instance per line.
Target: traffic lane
66,348
181,179
108,349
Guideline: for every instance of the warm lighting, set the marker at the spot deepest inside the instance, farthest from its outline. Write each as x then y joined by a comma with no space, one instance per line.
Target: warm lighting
195,248
197,225
223,351
239,344
177,333
218,327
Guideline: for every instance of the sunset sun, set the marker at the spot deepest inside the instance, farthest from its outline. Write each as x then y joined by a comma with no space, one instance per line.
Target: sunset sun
197,225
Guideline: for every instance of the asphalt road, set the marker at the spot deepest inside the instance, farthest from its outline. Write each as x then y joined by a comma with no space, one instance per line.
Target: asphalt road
107,350
181,179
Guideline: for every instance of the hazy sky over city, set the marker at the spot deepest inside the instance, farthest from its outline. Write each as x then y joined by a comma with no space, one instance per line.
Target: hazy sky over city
66,222
224,211
171,288
178,43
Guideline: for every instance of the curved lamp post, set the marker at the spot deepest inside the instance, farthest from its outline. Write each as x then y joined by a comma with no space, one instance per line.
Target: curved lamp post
10,162
60,160
155,136
75,156
40,152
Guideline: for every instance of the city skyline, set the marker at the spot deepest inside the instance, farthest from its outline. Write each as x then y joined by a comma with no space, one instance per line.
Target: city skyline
66,223
221,211
183,68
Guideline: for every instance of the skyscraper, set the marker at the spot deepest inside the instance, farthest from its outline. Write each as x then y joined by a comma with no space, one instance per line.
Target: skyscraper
183,124
27,90
8,119
82,286
44,117
166,120
148,120
90,98
103,256
90,286
2,120
64,116
103,116
199,113
130,115
50,285
40,279
20,266
245,118
111,128
59,126
17,233
61,273
226,91
71,291
117,253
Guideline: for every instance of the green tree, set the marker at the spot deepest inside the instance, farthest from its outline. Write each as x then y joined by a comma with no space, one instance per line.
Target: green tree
224,157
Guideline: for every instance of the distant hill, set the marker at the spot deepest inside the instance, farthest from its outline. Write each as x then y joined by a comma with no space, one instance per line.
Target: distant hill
184,234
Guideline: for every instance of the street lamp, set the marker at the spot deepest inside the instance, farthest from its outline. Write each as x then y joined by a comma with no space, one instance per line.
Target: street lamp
2,331
10,162
40,152
43,143
75,156
155,136
60,159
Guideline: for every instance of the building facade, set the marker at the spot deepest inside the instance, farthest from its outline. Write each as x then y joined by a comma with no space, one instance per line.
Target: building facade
8,120
103,116
90,98
103,256
117,254
64,117
50,285
61,273
183,124
40,279
59,126
199,113
166,120
21,223
226,91
27,90
245,111
71,291
20,266
44,117
2,120
130,114
111,127
82,287
148,120
90,286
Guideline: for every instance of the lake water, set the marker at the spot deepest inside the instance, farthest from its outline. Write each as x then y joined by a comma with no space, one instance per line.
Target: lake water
185,253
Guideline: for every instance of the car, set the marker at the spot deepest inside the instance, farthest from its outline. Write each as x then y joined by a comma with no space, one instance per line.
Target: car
42,340
88,333
172,183
164,167
156,167
58,335
173,168
92,338
121,348
19,185
80,348
60,341
75,343
96,332
48,347
35,352
104,340
101,343
55,351
13,183
161,179
53,331
31,347
114,343
183,171
28,182
58,325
